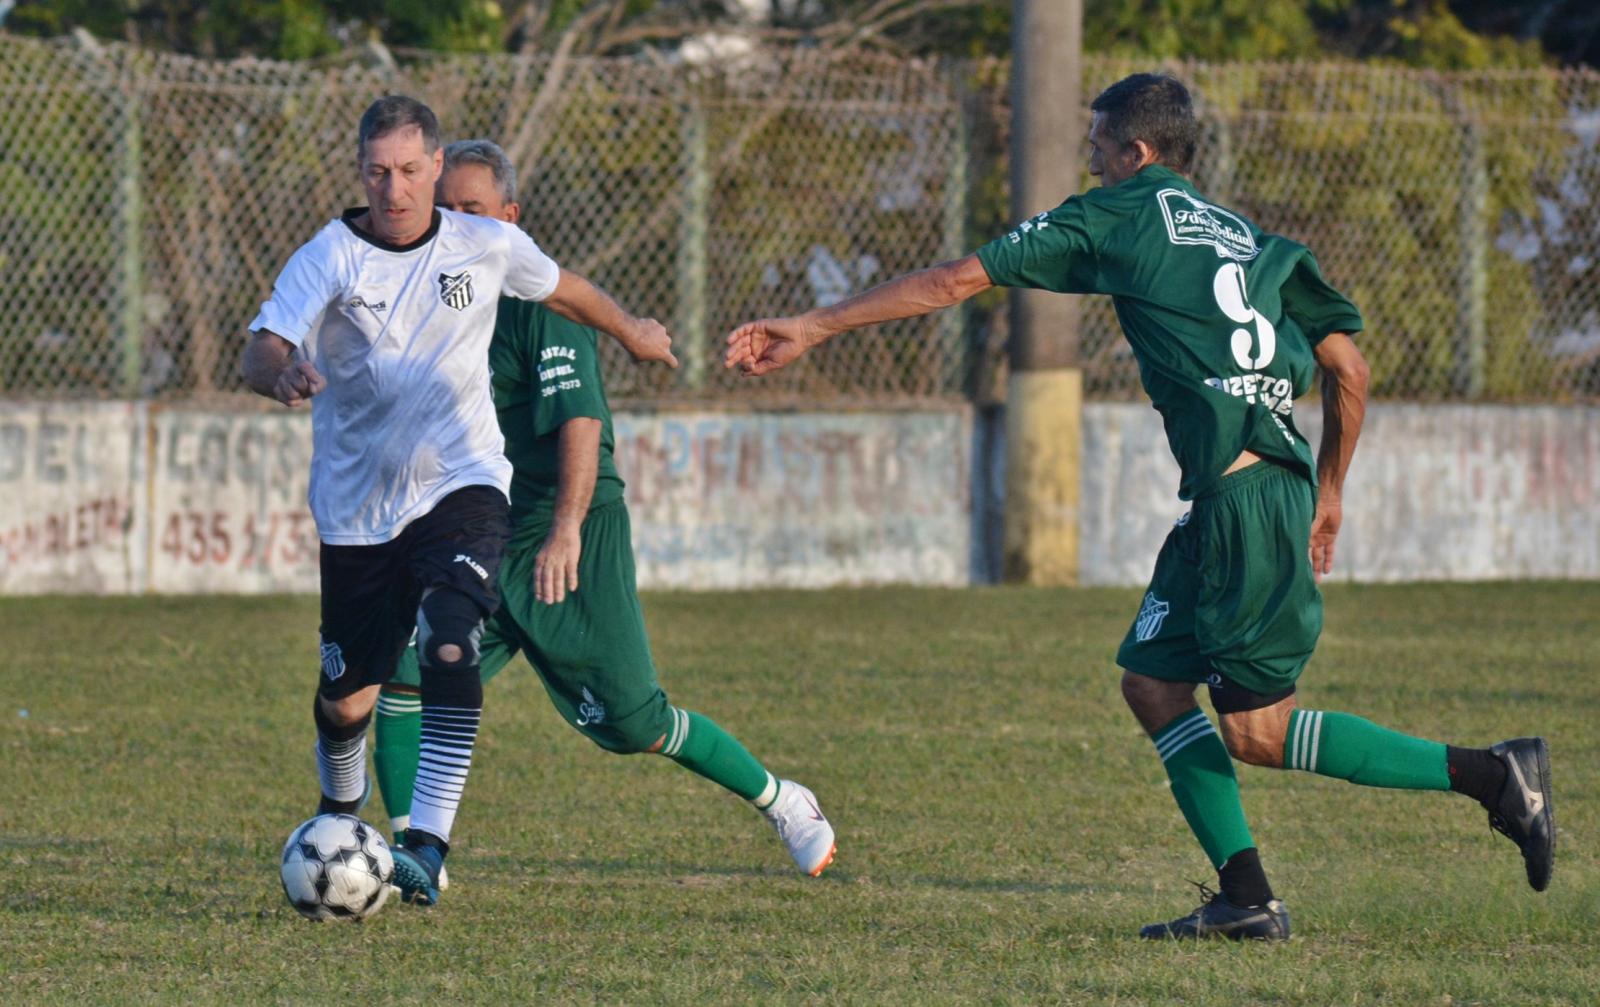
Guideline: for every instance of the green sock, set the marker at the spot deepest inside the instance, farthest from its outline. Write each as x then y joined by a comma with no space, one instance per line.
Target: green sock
394,753
1204,784
699,745
1349,748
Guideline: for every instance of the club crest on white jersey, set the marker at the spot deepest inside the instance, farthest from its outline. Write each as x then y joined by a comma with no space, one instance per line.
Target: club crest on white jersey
456,290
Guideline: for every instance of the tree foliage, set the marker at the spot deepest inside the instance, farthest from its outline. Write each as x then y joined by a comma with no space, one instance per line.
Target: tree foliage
1443,34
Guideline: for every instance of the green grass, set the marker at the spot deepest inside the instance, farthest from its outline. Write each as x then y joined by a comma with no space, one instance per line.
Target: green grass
1004,828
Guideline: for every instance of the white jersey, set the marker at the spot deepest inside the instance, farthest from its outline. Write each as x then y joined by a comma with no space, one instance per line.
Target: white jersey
401,333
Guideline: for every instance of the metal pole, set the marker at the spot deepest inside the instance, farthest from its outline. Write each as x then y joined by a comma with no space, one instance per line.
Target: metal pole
1046,162
692,234
1044,397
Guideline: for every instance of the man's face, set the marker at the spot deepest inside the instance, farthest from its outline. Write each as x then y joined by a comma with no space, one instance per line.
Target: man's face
470,188
399,174
1109,160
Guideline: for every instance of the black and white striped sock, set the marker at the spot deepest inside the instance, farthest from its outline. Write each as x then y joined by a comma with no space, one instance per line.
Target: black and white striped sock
341,762
449,730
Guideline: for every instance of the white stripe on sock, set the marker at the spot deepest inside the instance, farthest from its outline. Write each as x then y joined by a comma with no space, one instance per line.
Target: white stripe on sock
443,761
398,706
680,731
1306,741
342,767
1184,735
768,794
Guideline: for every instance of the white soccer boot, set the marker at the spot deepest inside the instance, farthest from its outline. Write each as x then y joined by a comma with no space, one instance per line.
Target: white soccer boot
802,827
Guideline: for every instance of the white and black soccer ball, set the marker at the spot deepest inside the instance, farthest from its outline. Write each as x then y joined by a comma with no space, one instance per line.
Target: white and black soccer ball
336,867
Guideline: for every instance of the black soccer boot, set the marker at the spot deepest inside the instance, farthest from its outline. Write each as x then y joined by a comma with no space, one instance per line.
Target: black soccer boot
1217,917
1523,812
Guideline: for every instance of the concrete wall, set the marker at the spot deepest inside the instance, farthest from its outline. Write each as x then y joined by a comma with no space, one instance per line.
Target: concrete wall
228,502
728,500
121,497
1434,493
72,497
115,498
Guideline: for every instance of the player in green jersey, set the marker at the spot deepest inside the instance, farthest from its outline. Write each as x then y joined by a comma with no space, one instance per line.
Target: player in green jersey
567,580
1228,324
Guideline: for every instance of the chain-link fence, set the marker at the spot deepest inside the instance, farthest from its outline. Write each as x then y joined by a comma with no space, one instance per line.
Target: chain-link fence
147,201
1461,212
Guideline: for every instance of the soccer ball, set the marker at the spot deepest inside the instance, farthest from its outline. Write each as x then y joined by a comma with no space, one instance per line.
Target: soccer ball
336,867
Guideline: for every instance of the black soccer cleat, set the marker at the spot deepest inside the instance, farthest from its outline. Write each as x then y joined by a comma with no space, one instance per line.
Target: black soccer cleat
1523,812
1217,917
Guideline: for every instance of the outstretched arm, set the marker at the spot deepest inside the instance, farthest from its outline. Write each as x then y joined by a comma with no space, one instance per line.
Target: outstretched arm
583,302
764,346
269,369
555,568
1344,407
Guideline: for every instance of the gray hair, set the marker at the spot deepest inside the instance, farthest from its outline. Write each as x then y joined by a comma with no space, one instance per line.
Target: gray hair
488,154
396,111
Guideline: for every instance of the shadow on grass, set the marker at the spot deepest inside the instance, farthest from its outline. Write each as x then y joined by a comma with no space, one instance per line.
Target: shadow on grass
703,875
62,844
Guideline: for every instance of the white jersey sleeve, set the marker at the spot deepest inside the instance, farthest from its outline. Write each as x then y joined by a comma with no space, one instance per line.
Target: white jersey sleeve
531,275
308,284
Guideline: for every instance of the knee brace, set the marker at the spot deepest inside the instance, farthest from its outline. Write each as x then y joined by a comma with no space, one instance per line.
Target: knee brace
448,617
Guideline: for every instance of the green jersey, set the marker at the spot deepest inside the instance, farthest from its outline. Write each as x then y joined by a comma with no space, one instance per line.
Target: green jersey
546,371
1221,316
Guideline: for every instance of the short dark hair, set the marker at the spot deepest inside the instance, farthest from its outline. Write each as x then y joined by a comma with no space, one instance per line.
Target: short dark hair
1155,108
396,111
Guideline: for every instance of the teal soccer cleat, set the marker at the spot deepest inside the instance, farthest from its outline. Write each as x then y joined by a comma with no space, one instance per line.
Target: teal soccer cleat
416,873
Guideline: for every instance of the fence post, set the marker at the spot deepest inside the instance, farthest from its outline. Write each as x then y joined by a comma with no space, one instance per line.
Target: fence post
1470,375
691,258
130,216
954,206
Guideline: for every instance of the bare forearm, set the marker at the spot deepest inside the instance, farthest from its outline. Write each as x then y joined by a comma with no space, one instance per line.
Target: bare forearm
1344,409
908,296
579,466
583,302
265,356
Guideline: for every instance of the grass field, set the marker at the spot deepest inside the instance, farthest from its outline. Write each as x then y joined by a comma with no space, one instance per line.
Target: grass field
1003,826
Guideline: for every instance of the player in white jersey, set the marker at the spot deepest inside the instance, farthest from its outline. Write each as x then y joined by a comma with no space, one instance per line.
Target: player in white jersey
383,322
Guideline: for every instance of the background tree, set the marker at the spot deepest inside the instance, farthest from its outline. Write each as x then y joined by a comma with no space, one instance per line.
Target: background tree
1443,34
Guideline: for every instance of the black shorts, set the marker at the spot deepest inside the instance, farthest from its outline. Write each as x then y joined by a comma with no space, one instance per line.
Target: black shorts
370,593
1228,696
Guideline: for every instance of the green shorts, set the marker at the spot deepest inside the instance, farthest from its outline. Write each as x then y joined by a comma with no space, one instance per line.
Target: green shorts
1233,599
590,650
